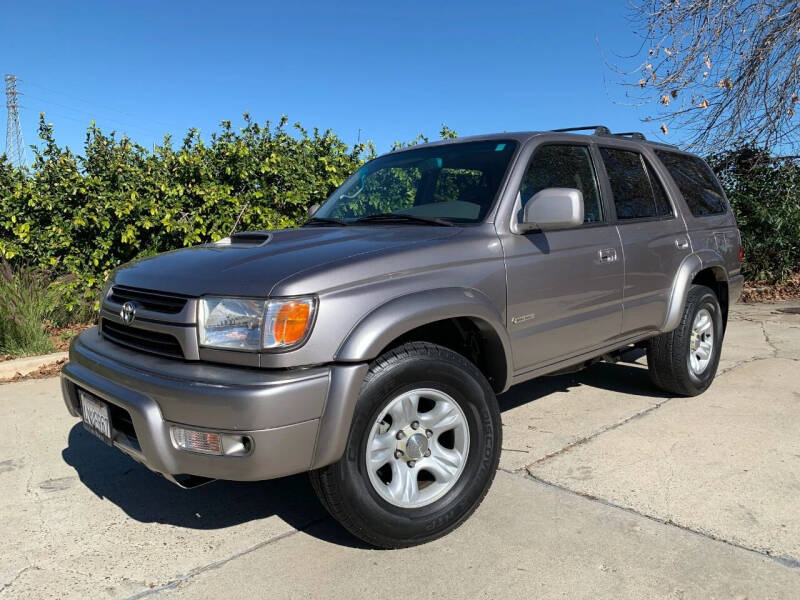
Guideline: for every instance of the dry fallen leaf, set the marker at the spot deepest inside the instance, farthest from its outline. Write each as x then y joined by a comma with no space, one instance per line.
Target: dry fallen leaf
642,83
674,93
664,129
665,100
703,104
707,62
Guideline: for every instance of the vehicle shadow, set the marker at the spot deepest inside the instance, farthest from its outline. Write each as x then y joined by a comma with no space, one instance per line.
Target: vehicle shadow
626,376
149,498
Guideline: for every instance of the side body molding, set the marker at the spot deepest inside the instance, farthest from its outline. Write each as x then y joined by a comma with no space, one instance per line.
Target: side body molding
404,313
691,266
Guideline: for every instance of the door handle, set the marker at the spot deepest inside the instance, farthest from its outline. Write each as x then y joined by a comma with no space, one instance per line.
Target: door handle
607,255
682,244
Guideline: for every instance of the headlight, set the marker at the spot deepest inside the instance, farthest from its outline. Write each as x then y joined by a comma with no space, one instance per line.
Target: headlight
252,324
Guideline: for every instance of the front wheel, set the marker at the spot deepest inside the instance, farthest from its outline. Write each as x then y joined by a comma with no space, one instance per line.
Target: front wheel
684,361
422,452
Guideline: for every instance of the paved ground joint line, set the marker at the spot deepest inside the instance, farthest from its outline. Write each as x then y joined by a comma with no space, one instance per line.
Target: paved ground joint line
784,560
223,561
594,434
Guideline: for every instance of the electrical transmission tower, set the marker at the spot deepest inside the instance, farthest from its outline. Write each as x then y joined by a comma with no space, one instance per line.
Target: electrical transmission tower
15,146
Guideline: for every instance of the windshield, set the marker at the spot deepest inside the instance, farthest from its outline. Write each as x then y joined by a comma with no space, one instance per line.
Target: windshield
453,182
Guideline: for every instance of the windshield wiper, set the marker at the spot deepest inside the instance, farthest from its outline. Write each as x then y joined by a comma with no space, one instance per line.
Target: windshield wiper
404,218
325,221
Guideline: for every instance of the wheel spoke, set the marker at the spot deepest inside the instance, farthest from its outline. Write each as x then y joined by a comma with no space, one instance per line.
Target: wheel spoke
381,450
405,411
403,486
442,417
704,325
443,463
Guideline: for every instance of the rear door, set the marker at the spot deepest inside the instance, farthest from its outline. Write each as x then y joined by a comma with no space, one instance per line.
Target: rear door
654,237
564,286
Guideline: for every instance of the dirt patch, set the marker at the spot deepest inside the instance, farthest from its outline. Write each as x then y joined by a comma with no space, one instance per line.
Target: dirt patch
50,370
62,336
760,291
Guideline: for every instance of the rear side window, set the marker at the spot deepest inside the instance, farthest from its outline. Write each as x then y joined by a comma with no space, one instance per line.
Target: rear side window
564,166
635,197
697,183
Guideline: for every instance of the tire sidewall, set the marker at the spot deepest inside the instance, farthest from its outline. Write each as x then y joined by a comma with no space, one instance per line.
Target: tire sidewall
475,398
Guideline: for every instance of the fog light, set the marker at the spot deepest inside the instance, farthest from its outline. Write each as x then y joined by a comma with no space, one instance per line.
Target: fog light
197,441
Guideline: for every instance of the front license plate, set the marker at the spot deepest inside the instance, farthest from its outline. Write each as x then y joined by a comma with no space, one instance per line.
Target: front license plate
95,416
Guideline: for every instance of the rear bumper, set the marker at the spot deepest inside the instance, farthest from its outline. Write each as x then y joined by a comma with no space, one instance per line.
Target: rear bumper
297,419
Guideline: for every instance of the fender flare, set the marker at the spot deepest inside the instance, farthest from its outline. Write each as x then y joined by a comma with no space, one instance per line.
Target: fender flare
689,268
400,315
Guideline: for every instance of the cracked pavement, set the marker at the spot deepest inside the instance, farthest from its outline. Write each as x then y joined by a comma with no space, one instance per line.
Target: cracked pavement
606,489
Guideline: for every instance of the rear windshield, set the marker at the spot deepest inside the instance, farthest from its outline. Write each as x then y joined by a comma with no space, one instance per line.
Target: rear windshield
700,189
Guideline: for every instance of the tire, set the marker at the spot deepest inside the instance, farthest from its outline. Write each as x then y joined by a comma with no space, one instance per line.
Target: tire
448,389
676,360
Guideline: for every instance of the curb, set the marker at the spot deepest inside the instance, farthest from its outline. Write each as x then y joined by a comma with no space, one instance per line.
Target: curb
19,367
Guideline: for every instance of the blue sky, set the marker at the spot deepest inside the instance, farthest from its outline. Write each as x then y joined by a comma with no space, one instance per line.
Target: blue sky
391,69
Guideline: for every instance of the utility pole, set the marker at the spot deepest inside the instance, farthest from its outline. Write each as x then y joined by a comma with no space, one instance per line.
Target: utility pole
15,145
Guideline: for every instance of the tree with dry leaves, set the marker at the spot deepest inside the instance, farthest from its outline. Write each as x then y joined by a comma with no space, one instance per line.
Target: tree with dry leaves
726,72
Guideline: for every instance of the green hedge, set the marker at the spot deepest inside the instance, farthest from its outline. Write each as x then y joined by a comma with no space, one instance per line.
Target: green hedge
764,192
85,215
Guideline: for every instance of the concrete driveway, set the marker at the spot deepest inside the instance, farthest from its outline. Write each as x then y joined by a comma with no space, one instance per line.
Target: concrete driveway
607,489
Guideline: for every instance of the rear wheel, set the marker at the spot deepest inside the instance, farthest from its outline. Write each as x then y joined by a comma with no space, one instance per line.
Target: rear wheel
422,452
684,361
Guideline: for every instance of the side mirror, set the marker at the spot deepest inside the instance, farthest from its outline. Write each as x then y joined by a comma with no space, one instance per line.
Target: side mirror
552,208
312,209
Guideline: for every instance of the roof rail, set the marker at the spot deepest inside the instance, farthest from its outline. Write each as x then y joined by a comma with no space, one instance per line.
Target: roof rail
634,135
598,129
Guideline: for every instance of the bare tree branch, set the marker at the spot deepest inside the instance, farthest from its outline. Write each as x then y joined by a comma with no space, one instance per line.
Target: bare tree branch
726,71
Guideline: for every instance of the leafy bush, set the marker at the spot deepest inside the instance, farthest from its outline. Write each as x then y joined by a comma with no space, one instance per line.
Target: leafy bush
86,215
765,196
26,303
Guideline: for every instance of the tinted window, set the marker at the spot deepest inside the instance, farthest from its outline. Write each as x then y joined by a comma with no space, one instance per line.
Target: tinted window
663,207
566,167
633,194
697,183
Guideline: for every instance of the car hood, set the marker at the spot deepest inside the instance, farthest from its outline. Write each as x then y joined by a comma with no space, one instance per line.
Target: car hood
253,269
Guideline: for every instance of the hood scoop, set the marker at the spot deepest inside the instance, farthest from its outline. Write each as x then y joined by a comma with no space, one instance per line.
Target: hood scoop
245,239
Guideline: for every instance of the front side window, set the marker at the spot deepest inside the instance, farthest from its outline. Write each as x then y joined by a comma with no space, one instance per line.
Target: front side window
700,189
456,182
565,166
634,196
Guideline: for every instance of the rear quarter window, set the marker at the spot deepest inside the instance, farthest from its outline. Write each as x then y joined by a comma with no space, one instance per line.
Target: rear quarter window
700,188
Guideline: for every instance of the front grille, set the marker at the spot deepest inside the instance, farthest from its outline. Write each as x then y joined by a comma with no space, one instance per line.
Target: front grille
156,301
141,339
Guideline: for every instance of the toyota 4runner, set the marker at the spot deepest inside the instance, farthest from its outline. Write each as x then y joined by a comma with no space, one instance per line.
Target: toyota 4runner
368,346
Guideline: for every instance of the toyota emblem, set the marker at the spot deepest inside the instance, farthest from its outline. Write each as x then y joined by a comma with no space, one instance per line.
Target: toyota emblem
128,313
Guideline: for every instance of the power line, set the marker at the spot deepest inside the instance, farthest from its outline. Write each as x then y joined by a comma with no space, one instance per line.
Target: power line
15,145
101,107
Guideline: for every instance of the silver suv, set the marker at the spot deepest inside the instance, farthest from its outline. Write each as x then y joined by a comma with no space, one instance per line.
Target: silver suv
368,346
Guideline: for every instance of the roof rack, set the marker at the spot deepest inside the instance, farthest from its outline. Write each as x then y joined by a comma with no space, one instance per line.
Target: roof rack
603,130
598,129
634,135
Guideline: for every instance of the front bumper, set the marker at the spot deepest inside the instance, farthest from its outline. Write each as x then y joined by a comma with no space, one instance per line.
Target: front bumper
297,419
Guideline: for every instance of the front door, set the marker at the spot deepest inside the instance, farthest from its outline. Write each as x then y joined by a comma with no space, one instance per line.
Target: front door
564,286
